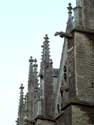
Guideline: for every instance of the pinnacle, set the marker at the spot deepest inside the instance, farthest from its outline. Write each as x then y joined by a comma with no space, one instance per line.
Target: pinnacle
21,87
31,59
46,37
35,61
35,67
30,68
45,47
21,90
69,9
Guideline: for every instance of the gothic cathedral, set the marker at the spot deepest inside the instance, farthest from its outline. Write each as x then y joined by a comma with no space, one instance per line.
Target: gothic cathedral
63,96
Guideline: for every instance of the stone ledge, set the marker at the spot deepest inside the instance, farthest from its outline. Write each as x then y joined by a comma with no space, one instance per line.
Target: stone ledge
57,117
44,118
83,30
77,101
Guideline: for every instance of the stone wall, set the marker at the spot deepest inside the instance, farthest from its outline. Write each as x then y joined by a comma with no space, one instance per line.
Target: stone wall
84,63
82,115
44,122
65,118
60,119
88,12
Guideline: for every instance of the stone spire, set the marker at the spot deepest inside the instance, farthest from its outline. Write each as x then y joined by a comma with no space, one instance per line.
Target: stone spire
45,52
26,109
69,9
36,89
46,80
21,106
69,27
46,61
35,76
35,68
21,98
70,18
30,69
30,90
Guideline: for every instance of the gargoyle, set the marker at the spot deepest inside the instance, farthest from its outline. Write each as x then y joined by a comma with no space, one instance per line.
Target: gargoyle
62,34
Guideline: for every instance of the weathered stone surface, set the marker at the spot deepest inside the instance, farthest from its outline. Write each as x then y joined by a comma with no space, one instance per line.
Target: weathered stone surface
88,12
84,10
60,119
82,115
44,122
64,96
84,63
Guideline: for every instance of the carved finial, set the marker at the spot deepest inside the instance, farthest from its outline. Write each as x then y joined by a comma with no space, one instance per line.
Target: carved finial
70,9
21,87
31,59
45,47
46,37
35,61
21,91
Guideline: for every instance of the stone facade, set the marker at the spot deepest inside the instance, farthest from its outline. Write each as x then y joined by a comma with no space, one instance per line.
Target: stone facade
82,115
64,96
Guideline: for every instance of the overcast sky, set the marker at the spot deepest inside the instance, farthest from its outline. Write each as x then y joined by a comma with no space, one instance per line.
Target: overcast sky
23,24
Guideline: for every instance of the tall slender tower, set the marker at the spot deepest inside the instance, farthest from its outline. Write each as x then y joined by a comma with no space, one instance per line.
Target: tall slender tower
46,80
21,107
30,90
36,89
35,79
26,110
